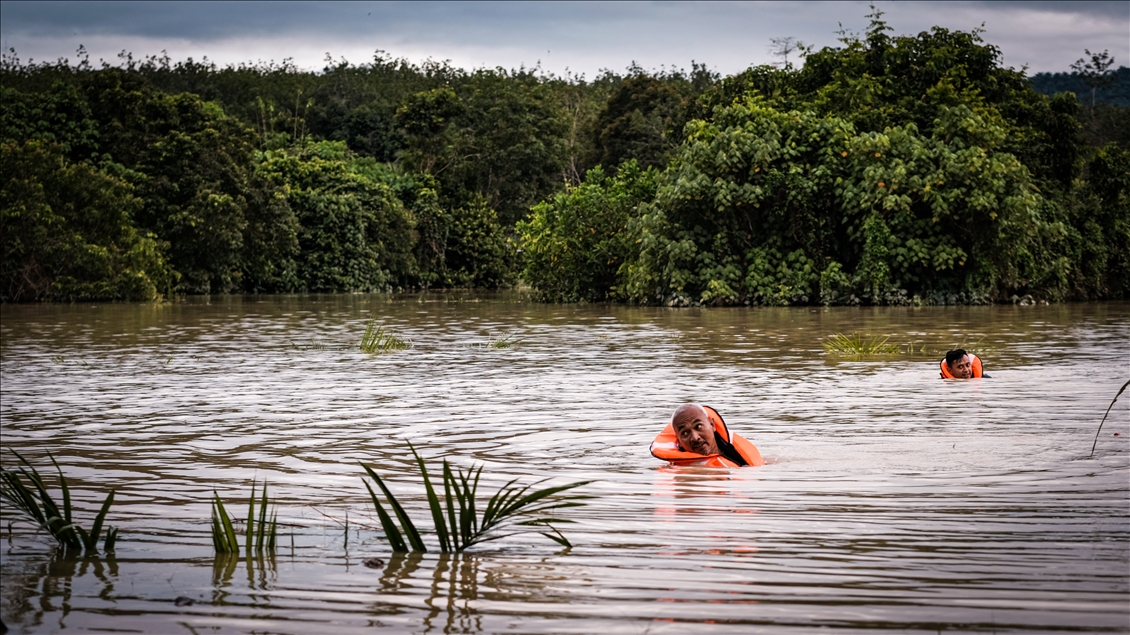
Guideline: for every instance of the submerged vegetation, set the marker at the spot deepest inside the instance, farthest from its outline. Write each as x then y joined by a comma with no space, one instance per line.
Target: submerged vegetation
506,340
512,510
377,340
856,344
36,502
260,535
864,345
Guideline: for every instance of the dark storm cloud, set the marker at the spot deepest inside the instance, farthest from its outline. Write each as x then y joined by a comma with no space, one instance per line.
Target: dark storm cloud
583,36
222,20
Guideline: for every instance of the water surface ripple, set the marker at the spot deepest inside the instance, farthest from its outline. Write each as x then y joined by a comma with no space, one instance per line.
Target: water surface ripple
892,500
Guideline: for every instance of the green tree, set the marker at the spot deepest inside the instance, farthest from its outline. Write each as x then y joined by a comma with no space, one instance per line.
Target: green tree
354,233
67,232
643,120
575,243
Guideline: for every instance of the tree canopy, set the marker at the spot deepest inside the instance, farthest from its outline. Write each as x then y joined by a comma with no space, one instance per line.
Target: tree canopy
887,169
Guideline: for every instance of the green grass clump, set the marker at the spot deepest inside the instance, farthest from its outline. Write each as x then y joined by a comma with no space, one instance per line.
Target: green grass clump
42,508
377,340
260,532
456,520
856,344
506,340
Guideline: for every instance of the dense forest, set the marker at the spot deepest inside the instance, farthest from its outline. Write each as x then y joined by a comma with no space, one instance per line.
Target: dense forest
887,170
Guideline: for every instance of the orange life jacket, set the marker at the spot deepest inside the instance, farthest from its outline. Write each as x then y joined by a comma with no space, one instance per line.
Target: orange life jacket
977,371
666,447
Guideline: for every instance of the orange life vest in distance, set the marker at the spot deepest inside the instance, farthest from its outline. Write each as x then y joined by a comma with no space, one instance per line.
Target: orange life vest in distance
977,371
666,447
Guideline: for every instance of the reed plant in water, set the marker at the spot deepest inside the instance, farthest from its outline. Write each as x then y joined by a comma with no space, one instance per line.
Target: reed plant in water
260,534
856,344
36,502
377,340
505,340
1120,391
511,511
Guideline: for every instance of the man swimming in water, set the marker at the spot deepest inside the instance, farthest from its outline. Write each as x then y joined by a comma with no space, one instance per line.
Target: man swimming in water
959,364
698,436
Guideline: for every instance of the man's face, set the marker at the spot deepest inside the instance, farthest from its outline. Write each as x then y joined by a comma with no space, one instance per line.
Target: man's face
695,433
962,368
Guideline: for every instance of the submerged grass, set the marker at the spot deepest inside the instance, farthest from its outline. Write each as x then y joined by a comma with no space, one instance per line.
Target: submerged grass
377,340
39,505
457,523
857,344
261,532
505,340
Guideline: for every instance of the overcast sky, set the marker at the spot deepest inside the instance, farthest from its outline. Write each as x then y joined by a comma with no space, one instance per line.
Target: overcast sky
583,37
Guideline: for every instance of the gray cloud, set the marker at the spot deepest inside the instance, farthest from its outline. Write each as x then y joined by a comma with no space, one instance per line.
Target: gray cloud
584,36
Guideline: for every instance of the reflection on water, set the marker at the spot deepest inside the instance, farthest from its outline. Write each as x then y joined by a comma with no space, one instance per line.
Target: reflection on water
892,499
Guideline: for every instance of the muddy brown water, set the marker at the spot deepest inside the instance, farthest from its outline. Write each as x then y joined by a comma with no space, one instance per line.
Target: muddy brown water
892,501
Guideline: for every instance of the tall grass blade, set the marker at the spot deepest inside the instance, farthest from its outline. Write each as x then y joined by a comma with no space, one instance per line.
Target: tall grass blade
250,537
261,530
451,495
1120,391
391,532
433,503
226,535
409,529
271,541
66,490
96,529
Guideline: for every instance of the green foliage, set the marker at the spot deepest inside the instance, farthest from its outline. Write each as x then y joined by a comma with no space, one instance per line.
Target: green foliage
643,120
377,340
887,170
892,170
477,251
67,232
261,531
512,510
353,232
575,244
1099,219
497,140
39,505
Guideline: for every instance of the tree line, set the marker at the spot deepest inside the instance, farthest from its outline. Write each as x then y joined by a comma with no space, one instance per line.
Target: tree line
889,169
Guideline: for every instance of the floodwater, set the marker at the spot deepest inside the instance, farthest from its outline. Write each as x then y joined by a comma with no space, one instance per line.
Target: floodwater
892,501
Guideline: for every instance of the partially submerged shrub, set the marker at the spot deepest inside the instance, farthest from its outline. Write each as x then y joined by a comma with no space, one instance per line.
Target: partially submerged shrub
46,513
457,524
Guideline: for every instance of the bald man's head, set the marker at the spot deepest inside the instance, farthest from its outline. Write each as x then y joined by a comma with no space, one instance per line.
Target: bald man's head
694,429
